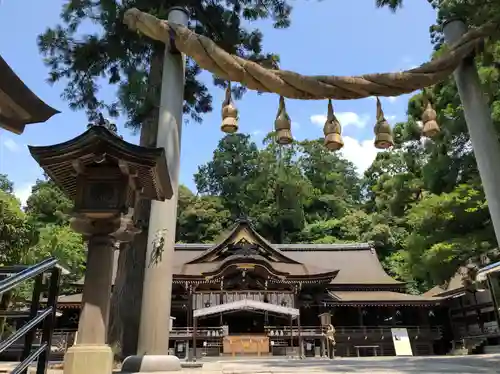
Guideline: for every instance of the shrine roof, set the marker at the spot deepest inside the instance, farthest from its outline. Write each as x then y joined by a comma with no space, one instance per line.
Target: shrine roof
19,105
452,288
361,298
341,264
357,264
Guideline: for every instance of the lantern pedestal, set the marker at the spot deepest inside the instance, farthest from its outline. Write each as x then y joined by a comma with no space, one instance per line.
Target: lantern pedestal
91,354
85,359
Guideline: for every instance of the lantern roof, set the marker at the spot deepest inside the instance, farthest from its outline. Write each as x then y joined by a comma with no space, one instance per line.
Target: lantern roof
146,167
19,105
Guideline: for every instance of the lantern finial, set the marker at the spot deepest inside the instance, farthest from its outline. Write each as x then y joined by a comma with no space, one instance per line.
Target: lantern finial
283,124
229,113
429,116
332,130
383,133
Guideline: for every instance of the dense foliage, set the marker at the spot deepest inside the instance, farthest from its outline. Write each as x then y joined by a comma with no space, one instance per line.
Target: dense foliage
40,230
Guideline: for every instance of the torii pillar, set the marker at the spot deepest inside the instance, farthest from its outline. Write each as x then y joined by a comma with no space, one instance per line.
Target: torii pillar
154,330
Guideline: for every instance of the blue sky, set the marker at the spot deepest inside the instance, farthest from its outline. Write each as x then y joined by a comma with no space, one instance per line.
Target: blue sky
341,37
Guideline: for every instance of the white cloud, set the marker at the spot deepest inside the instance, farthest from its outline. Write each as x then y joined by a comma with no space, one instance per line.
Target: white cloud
345,119
11,145
256,132
23,193
392,99
360,153
391,117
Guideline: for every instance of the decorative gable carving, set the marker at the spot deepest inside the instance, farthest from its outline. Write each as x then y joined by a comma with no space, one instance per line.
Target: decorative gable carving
243,241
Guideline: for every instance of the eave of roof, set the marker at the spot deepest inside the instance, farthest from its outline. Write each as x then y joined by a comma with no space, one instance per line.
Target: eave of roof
150,163
366,298
20,96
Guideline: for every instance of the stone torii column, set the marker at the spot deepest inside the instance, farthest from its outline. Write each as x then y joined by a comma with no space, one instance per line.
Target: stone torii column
154,330
483,136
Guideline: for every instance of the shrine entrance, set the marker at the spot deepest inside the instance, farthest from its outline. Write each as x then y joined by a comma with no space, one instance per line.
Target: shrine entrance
246,333
244,322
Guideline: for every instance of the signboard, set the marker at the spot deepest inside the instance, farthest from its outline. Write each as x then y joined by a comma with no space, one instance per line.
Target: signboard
401,341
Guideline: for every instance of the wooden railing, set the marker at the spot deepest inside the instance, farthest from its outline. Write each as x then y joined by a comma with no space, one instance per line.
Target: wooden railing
374,332
202,332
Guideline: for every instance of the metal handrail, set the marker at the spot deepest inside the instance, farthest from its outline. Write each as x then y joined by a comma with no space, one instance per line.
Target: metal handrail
46,317
26,274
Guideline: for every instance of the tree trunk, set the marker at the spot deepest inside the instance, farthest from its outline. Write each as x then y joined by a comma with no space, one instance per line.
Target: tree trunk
126,300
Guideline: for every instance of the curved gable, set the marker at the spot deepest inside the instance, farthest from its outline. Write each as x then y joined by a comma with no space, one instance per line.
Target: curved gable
242,237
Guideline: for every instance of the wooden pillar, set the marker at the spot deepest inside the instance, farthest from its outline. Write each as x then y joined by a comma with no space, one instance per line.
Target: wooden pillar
360,316
299,336
221,299
195,327
494,299
189,288
424,316
478,314
291,333
464,314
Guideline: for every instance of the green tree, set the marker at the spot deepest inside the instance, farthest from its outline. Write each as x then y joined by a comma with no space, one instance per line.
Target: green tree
5,184
335,182
133,63
234,164
17,235
47,204
67,246
200,219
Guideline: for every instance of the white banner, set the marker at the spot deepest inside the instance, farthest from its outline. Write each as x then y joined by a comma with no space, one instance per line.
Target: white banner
401,341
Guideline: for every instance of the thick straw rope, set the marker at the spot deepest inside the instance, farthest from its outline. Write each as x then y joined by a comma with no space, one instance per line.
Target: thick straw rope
293,85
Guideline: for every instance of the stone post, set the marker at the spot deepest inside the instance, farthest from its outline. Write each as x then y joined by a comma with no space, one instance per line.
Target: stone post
157,288
483,136
91,354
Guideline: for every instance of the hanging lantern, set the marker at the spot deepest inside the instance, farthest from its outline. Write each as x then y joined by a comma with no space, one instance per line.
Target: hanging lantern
332,130
283,125
383,133
229,113
431,127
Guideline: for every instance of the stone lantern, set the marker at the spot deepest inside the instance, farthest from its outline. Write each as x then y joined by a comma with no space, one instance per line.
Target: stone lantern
104,175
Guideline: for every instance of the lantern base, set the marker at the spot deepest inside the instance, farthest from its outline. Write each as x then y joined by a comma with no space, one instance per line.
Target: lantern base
85,359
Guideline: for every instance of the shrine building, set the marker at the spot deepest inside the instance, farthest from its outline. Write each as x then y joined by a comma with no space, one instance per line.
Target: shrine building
245,296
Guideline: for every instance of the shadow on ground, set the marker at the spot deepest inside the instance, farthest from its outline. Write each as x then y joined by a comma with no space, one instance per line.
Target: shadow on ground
429,365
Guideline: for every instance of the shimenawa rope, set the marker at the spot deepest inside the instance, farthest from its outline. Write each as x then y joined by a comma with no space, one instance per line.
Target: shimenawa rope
296,86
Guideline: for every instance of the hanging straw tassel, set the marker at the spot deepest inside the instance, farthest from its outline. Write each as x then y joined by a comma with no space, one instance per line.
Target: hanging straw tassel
332,130
431,127
283,125
383,133
229,113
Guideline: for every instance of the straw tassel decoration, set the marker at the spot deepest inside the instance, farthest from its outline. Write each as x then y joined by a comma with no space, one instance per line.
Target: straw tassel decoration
383,133
332,130
431,127
283,124
229,113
